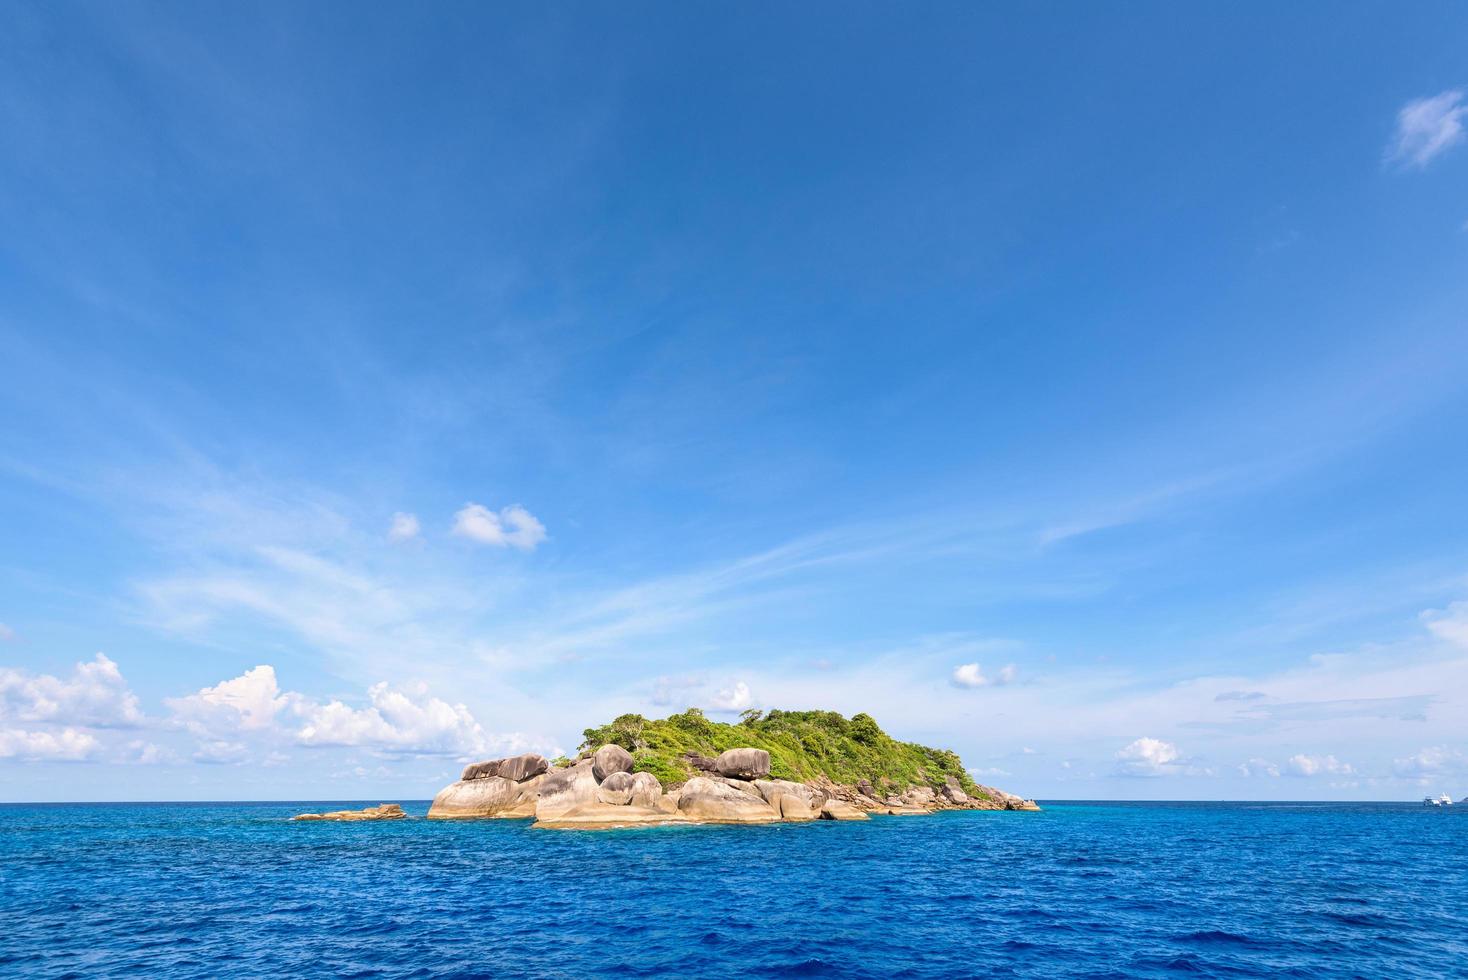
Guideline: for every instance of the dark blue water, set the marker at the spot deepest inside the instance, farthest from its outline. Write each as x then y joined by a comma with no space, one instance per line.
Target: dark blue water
1124,890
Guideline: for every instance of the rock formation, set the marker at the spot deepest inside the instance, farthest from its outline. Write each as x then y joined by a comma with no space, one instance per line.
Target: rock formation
743,763
600,791
383,811
497,788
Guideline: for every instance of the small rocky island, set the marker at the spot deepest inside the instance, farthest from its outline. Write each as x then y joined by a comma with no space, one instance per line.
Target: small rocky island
383,811
775,766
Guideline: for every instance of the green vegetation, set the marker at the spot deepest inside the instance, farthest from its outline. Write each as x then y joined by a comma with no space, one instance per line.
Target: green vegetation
802,746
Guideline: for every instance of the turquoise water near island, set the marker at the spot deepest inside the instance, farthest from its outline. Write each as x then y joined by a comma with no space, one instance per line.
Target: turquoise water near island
1080,889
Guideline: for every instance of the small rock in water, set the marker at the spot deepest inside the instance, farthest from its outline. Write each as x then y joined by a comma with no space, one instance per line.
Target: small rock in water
383,811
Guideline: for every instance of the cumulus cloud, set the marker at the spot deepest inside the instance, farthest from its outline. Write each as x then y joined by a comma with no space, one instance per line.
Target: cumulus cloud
67,745
972,676
1434,761
95,695
249,702
1426,128
1317,765
146,753
701,692
512,527
396,721
1258,767
1146,757
404,527
236,717
736,697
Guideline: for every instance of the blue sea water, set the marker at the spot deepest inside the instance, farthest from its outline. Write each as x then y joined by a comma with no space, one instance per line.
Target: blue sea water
1081,889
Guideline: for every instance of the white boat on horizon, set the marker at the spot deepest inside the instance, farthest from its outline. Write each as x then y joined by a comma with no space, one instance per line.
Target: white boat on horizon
1441,799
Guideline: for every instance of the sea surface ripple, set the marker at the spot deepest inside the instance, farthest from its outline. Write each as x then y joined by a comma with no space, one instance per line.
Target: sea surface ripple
1080,889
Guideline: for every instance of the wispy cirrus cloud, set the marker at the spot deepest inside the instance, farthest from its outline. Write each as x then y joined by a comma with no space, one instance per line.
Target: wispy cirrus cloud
403,527
1427,128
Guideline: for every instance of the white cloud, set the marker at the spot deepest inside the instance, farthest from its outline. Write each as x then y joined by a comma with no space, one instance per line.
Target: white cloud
972,676
512,527
146,753
697,691
404,527
237,716
399,722
1315,765
671,690
1450,624
968,675
733,698
989,773
1146,757
221,753
1430,762
249,702
67,745
1258,767
95,695
1426,128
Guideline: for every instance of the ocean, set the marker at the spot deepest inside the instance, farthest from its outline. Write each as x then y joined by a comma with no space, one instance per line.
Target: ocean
1080,889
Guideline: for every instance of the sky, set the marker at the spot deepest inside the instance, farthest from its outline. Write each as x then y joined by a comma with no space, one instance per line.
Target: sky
383,388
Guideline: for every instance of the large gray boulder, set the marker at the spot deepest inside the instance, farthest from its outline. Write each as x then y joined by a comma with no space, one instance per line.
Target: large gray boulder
469,798
523,767
834,809
609,759
794,808
565,789
774,790
700,762
953,792
739,785
743,763
646,790
920,796
481,770
706,801
616,789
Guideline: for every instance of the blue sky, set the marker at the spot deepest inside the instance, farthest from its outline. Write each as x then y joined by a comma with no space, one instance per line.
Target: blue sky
1083,389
